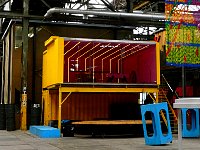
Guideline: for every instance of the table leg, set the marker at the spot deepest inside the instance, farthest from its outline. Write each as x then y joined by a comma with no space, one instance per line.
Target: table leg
179,129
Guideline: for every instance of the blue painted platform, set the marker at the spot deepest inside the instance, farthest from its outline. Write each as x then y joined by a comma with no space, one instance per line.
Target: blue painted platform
45,131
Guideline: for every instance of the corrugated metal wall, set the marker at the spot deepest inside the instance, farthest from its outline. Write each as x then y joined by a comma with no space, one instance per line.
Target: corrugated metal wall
90,106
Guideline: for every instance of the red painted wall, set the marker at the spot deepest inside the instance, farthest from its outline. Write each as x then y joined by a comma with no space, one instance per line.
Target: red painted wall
138,65
144,65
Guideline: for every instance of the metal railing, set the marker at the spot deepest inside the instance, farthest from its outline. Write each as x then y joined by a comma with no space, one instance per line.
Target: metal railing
166,99
162,114
170,86
170,106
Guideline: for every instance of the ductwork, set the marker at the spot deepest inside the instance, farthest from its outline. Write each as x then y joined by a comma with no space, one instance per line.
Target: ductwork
136,16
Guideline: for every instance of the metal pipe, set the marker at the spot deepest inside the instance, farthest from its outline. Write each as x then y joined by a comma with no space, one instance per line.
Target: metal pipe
152,16
173,91
3,74
24,66
71,84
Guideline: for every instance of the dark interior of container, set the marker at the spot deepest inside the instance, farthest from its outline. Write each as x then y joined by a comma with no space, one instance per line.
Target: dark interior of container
101,106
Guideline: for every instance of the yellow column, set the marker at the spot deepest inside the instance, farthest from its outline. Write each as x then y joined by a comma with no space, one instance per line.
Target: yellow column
157,100
24,112
157,67
47,106
59,109
158,62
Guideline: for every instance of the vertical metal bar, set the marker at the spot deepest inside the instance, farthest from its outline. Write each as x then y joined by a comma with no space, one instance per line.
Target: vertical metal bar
10,67
78,64
42,109
157,63
102,70
34,64
59,109
129,6
93,63
24,65
110,65
3,74
179,129
183,81
85,65
68,69
25,43
157,99
118,69
121,64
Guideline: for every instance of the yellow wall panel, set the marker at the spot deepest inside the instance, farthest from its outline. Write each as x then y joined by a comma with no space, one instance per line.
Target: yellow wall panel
54,57
44,70
46,103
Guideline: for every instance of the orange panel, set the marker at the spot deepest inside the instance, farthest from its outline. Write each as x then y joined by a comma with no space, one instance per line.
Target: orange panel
54,105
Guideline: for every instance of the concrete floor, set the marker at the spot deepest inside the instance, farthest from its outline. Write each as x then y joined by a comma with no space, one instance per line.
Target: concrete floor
19,140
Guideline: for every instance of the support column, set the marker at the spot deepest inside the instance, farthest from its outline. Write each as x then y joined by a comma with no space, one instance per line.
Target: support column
129,6
179,129
183,81
24,65
59,109
157,98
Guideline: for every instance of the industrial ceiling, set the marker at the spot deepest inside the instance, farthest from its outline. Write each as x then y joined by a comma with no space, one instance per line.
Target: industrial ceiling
38,8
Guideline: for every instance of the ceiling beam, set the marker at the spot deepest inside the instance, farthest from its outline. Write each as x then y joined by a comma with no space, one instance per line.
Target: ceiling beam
3,2
109,5
129,6
84,3
154,5
43,1
13,15
141,5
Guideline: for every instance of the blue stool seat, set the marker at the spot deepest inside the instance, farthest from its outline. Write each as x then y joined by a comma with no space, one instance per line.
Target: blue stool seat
194,130
158,138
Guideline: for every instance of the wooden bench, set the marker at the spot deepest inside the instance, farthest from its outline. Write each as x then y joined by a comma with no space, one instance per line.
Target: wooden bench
111,122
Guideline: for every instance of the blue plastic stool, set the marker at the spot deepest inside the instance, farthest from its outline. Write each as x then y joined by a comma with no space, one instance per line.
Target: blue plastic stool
194,131
158,138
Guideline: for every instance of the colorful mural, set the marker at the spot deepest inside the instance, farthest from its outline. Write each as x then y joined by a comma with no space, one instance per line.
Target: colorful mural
182,32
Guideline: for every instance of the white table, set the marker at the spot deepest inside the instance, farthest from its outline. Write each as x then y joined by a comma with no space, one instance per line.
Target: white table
187,102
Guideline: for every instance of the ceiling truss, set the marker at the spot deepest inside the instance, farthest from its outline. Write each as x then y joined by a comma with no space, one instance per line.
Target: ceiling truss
126,6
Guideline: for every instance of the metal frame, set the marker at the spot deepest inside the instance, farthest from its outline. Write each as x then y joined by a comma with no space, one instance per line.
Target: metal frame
189,102
113,41
92,87
59,88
